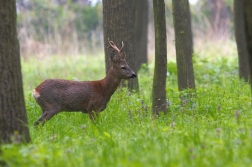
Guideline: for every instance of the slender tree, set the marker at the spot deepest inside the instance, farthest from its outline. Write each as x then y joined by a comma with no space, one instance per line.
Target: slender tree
13,119
160,71
184,44
118,26
141,30
248,31
219,16
241,42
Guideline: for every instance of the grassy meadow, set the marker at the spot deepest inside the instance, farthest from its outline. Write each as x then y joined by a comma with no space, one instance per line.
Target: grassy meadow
211,126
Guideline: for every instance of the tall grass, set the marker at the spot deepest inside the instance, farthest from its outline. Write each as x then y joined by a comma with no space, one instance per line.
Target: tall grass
211,126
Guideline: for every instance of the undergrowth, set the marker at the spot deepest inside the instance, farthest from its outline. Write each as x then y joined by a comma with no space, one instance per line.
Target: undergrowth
209,126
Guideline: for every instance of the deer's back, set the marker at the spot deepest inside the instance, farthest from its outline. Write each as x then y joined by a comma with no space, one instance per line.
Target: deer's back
70,95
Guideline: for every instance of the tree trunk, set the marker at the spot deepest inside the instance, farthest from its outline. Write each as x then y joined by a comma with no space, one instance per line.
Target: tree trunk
160,71
241,42
118,26
141,30
248,31
13,119
184,44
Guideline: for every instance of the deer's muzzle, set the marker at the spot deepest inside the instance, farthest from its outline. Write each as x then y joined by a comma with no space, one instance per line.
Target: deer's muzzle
133,75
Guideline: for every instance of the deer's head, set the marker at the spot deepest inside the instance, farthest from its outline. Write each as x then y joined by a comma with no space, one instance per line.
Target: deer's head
120,65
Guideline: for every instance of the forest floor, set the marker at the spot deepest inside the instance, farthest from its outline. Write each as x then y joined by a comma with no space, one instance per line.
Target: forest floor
209,126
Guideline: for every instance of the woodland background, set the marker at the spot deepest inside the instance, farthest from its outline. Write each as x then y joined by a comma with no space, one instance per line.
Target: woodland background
71,27
207,126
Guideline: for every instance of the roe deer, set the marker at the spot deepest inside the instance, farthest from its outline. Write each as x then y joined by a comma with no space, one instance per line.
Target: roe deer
56,95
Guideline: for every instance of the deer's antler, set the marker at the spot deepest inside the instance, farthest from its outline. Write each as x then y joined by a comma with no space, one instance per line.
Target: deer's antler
112,45
122,46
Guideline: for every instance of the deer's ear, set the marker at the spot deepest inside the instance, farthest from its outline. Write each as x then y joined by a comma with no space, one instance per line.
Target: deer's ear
113,57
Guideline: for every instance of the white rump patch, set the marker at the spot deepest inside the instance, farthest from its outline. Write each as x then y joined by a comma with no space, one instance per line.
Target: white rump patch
35,94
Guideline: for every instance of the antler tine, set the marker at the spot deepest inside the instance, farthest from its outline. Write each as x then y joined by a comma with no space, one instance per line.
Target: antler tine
109,44
122,46
112,45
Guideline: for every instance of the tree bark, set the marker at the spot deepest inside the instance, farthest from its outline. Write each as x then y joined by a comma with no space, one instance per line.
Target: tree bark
241,42
13,119
160,70
118,26
248,31
141,30
184,44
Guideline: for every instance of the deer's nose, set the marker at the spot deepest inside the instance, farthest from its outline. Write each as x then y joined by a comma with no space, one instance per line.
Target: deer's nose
133,75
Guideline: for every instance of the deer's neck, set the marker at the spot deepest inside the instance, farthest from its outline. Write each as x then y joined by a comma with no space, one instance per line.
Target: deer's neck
110,83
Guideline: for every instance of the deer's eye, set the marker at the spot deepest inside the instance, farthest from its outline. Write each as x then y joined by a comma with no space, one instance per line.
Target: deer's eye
123,68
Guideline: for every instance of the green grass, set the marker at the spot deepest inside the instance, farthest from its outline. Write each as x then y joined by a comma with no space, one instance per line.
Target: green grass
211,126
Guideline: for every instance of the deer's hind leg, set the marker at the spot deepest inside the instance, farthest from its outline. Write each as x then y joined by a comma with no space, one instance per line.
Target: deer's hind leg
48,112
45,117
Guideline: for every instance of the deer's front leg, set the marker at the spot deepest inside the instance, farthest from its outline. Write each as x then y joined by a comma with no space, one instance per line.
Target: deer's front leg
93,115
92,112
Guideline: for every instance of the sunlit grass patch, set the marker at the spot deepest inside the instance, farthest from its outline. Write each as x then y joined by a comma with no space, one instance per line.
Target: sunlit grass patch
209,126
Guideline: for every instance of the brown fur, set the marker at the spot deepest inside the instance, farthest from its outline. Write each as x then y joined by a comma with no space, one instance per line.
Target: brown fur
56,95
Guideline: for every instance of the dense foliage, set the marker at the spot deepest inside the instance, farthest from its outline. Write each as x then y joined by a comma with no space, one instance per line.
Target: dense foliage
207,127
